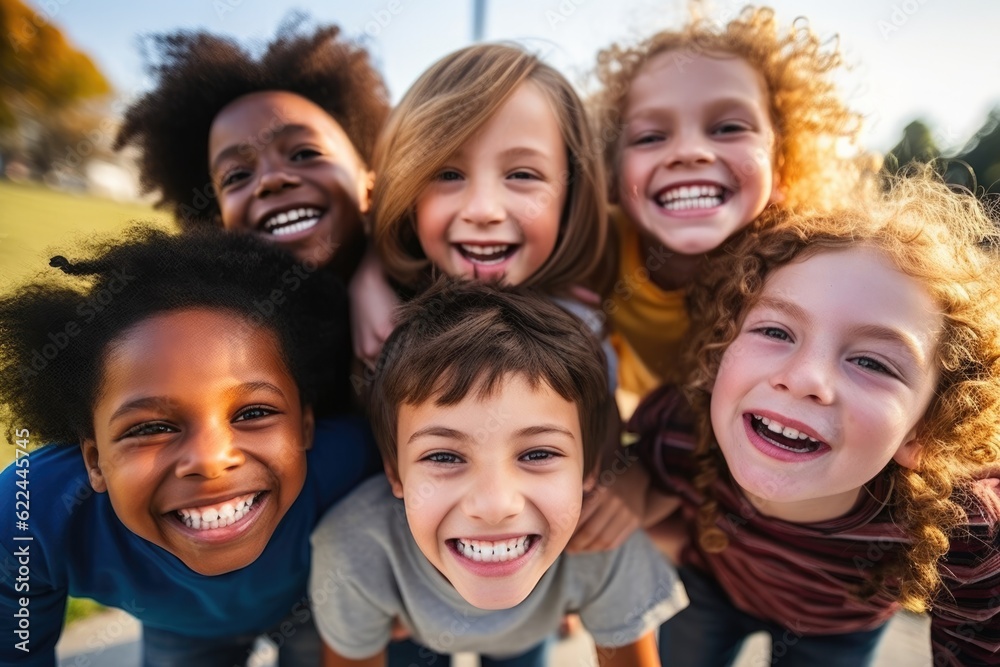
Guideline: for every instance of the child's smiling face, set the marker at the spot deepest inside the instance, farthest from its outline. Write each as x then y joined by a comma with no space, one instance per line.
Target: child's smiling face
200,437
493,487
284,168
696,153
494,209
826,382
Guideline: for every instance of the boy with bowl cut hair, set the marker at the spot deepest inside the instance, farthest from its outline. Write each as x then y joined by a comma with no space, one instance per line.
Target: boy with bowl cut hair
488,411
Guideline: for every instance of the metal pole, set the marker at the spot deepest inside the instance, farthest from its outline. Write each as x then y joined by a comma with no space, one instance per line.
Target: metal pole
478,19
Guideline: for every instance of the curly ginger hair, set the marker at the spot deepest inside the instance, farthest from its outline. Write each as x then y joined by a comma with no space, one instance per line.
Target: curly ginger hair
948,243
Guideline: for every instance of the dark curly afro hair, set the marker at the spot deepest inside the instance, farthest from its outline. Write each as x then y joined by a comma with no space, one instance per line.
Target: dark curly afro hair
55,332
199,73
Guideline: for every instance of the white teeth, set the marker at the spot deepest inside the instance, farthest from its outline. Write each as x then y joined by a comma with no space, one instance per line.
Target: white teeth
691,196
303,218
787,431
484,249
485,254
493,552
206,518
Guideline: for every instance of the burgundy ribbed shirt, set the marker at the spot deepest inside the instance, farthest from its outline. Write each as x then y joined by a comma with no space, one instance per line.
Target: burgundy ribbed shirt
801,575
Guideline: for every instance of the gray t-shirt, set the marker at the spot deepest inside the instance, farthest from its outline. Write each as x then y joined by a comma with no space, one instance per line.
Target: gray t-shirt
367,570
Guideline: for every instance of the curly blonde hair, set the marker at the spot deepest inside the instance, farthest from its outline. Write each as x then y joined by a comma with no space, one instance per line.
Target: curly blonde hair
947,242
445,108
817,158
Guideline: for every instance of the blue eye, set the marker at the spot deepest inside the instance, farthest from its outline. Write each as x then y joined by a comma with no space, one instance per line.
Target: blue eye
872,365
647,139
443,458
731,128
539,455
449,175
305,154
773,332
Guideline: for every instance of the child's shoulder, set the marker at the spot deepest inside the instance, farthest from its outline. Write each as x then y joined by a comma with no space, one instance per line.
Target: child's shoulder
981,502
364,521
624,593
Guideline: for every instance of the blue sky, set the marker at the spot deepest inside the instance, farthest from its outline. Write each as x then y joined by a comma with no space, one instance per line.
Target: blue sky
931,59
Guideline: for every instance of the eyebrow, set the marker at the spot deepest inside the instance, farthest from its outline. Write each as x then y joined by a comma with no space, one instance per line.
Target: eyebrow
460,436
887,334
163,402
716,105
234,150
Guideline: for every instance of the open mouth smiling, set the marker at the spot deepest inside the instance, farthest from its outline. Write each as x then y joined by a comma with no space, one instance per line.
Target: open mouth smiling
219,515
784,437
486,254
485,551
686,197
291,221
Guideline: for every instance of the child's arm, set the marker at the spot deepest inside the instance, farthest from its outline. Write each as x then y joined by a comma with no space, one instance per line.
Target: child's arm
641,653
334,659
372,304
614,511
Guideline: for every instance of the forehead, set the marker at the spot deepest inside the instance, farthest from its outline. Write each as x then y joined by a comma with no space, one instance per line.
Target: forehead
258,116
526,117
858,285
684,75
196,343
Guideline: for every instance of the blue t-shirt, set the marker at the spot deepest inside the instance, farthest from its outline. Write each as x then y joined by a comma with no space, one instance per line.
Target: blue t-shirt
79,547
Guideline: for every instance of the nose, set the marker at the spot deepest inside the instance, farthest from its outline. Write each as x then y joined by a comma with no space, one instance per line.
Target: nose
274,179
483,204
493,497
208,452
690,147
807,374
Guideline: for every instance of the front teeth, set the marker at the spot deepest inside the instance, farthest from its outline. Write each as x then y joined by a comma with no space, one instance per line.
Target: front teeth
290,222
485,254
224,515
493,552
691,196
787,431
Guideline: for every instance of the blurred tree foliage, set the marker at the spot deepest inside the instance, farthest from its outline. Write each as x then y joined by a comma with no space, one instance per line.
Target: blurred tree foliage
976,165
50,92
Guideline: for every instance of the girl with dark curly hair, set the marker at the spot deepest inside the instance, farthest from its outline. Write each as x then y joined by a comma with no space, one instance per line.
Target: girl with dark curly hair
276,144
179,377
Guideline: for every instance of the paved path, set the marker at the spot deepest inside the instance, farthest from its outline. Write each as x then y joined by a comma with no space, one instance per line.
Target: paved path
111,639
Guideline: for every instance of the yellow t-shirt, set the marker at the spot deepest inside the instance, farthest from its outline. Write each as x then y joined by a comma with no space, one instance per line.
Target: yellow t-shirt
648,323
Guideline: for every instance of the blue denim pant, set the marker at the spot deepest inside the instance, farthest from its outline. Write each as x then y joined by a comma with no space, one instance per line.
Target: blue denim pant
298,643
710,632
409,654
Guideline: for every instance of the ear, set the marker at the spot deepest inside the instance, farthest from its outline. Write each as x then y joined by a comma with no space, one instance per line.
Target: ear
590,481
909,453
394,481
366,184
91,459
308,426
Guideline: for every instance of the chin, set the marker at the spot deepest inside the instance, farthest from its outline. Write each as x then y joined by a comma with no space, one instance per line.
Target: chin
495,600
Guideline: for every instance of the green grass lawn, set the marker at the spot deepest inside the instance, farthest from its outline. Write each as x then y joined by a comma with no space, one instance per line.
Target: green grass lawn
36,222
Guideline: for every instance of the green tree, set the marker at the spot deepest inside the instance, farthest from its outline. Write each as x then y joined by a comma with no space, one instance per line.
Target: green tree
982,153
917,145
